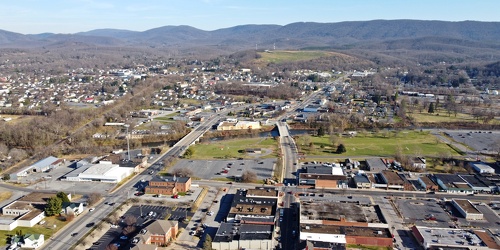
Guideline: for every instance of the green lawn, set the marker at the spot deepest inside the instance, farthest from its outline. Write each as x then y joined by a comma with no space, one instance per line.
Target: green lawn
227,149
47,229
441,117
381,144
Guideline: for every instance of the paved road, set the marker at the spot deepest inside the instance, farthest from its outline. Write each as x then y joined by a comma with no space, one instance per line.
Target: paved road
63,239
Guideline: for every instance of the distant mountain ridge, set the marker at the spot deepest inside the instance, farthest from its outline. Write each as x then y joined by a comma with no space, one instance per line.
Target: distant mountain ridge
290,36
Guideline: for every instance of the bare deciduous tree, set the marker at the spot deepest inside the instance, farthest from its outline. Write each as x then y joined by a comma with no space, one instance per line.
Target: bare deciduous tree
249,176
130,220
93,198
182,172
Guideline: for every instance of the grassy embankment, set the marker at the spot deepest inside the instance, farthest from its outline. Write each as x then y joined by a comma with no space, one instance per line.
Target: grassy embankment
229,149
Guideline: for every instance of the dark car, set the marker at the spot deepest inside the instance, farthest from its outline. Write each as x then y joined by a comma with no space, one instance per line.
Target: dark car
91,224
74,234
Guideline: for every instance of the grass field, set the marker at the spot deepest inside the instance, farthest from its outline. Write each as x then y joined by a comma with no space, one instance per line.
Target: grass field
230,148
441,117
382,144
46,229
5,195
290,56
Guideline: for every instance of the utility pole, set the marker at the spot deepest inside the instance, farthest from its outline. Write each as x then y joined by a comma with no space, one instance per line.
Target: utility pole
128,143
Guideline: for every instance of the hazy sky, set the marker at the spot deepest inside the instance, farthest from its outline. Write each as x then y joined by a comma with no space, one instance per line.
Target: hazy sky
71,16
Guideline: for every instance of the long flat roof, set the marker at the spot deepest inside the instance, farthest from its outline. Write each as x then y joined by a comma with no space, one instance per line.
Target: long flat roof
228,232
427,181
266,192
393,177
45,162
467,206
376,164
346,230
473,181
447,236
99,169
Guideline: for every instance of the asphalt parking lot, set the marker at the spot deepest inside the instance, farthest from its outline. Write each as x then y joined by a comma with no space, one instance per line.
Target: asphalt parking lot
416,211
210,169
478,140
490,217
49,180
143,217
112,235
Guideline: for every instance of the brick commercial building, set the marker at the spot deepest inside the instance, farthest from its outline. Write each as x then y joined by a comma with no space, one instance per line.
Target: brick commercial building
169,186
160,232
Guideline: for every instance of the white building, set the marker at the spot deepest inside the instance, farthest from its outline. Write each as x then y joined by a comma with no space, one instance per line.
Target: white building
467,209
104,171
482,168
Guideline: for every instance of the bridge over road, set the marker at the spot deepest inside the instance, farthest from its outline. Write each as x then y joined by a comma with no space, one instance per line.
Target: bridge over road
289,155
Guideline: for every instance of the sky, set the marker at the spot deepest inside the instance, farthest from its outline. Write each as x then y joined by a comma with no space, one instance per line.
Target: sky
72,16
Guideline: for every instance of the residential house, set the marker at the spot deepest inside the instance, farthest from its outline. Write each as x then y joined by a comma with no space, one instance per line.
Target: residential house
418,162
31,241
72,208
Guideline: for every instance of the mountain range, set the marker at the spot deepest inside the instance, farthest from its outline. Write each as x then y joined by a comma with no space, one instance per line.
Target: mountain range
384,34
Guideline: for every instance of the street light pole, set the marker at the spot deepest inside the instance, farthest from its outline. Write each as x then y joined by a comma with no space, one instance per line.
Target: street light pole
128,143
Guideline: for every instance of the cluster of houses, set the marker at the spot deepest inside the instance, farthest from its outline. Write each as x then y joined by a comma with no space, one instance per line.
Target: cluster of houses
29,211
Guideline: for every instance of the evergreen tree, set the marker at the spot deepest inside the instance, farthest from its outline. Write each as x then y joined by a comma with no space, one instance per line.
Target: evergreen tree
189,152
63,197
341,149
321,131
207,244
431,108
53,206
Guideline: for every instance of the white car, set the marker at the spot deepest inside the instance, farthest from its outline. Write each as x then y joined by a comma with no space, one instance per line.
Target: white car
91,209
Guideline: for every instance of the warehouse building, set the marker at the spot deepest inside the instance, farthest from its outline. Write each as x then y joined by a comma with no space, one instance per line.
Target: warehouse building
482,168
467,209
104,171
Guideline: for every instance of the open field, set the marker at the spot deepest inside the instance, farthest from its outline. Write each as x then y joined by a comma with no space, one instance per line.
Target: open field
15,118
231,148
441,117
5,195
381,144
290,56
